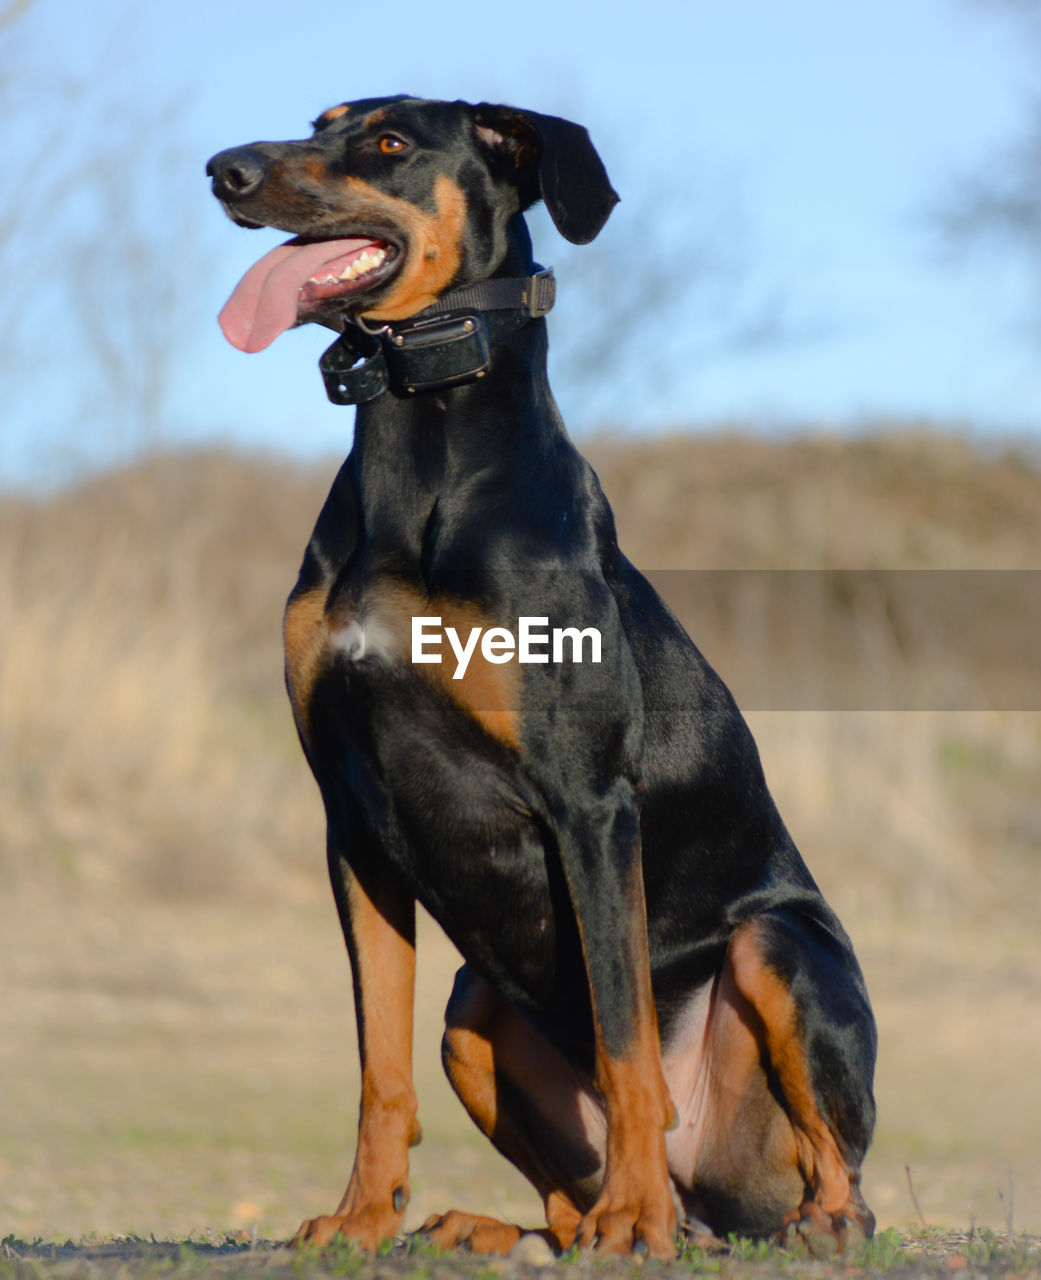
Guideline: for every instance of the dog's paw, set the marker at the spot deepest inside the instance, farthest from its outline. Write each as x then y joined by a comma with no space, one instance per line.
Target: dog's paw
629,1229
366,1230
826,1235
471,1232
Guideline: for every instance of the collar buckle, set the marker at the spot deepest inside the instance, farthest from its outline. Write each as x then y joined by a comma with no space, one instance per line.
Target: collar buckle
541,293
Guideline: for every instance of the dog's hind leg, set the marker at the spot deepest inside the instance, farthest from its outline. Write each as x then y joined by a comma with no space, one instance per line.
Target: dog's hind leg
538,1108
772,1078
816,1027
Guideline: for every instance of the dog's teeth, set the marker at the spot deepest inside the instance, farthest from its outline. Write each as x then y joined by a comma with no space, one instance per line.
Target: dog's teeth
368,260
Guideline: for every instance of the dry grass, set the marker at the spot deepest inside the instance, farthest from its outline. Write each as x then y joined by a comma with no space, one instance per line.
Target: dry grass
176,1047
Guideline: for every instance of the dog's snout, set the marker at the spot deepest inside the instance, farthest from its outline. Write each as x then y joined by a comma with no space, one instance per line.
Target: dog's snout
238,173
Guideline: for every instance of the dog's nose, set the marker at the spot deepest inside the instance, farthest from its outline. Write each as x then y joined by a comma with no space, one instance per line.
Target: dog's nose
238,173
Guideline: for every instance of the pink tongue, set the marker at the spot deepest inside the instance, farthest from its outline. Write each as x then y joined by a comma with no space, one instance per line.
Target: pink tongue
265,300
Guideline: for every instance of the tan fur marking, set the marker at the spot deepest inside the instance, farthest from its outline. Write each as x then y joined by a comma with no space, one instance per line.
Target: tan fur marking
819,1157
733,1134
334,113
373,1205
477,1055
469,1060
375,117
435,250
635,1080
636,1191
314,168
562,1218
386,973
636,1194
305,635
489,692
480,1234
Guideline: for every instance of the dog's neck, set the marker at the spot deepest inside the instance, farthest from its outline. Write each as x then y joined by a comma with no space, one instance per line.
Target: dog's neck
487,424
416,457
415,462
441,440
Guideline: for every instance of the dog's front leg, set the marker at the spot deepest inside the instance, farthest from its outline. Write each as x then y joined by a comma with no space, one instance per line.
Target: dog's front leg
600,851
379,926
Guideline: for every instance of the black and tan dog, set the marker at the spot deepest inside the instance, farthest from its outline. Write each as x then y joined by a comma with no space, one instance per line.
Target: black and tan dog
659,1019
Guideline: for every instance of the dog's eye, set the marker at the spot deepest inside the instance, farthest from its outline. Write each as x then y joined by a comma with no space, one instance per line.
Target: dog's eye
389,143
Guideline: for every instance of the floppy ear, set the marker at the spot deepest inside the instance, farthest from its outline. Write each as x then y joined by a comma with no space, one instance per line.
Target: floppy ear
554,159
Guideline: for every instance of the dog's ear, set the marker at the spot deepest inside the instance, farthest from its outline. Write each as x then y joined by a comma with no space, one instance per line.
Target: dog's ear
551,158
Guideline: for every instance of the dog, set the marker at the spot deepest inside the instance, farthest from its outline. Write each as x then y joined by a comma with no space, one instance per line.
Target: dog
659,1020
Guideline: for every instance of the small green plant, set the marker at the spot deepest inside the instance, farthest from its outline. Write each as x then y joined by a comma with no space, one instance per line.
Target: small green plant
418,1245
339,1257
745,1250
882,1252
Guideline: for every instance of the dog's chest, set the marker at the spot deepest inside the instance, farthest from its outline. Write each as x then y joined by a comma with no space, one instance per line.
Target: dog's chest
387,624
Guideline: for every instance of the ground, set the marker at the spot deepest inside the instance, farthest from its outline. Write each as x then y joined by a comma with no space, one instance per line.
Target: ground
177,1052
915,1257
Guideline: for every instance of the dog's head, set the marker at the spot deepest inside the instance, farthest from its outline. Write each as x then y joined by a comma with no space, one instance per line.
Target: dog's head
393,201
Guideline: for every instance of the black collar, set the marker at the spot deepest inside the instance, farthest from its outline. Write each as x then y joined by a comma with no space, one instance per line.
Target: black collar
441,346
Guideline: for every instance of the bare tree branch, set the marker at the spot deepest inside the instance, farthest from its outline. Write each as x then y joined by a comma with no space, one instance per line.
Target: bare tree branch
13,11
667,286
999,205
101,254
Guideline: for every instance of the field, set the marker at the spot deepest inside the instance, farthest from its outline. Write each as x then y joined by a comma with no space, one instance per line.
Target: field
177,1056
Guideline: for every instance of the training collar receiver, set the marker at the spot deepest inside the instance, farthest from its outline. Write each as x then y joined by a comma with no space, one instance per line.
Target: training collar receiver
445,345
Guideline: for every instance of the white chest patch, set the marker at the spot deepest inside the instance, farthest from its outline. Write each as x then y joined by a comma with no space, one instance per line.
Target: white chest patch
372,634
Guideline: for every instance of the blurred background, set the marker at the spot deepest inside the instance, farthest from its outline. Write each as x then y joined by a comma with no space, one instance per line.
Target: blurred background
808,340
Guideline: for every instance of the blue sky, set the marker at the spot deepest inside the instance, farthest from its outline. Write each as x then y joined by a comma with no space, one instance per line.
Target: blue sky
779,156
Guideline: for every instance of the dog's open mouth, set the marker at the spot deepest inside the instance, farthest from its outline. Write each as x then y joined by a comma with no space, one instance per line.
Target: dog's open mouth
297,282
